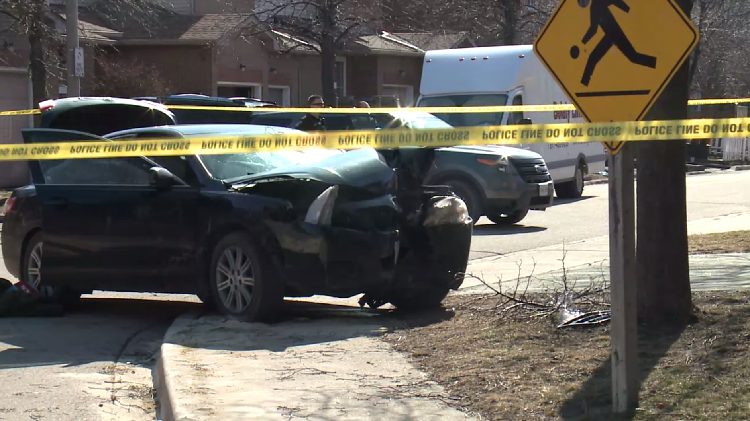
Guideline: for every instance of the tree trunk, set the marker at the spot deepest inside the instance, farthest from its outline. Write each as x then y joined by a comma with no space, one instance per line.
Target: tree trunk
328,66
328,50
510,21
664,294
36,55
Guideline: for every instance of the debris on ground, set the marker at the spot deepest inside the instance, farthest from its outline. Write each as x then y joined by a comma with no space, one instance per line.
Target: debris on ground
23,300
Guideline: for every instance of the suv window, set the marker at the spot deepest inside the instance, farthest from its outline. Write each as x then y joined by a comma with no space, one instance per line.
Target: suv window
100,119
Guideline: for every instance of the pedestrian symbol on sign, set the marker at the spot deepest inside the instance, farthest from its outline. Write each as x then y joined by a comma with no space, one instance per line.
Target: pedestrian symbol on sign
614,36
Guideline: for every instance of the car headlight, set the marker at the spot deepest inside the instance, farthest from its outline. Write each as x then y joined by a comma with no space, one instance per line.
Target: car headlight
321,210
446,210
501,163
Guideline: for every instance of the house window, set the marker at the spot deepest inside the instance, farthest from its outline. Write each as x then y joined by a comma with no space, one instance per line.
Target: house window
281,95
246,90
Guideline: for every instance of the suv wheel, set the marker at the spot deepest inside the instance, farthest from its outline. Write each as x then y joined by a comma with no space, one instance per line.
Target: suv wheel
509,219
243,281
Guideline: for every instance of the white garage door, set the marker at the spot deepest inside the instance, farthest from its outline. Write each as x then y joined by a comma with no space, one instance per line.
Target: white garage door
14,95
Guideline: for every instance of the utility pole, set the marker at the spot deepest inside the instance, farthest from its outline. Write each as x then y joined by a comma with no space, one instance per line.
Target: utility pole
74,65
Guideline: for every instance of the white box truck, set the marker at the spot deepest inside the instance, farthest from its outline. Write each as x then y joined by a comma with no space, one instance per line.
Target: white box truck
509,75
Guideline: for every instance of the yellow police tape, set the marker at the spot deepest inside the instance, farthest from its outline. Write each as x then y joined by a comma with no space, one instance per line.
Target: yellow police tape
384,139
433,110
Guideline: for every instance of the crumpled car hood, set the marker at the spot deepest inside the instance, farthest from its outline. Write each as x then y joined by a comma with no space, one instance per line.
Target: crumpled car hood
362,168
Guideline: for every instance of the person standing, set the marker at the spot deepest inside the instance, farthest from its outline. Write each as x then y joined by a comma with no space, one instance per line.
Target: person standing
313,122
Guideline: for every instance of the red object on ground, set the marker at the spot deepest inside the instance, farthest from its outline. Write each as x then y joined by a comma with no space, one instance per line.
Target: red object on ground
27,288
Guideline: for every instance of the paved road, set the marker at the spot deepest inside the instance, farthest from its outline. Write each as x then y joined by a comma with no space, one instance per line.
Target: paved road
95,364
709,195
89,366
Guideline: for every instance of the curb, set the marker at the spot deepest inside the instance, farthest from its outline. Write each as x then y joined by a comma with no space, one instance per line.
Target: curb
694,172
168,406
740,168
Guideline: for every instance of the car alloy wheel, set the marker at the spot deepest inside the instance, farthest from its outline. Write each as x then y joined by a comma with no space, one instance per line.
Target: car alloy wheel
34,266
243,281
234,279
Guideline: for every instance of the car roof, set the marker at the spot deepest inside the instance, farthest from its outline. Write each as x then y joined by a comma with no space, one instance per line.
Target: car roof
64,104
188,130
199,99
398,114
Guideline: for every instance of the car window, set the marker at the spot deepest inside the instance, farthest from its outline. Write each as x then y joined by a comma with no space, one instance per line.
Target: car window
228,166
101,119
193,116
515,117
177,165
366,122
96,171
468,119
273,121
338,122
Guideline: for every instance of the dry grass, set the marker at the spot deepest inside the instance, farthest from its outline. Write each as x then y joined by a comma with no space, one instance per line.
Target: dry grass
724,242
509,366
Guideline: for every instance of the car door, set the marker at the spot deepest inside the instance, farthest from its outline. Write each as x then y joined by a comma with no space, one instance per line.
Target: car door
106,227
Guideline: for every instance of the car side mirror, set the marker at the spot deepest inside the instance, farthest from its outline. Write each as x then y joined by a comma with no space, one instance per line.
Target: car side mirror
525,121
160,178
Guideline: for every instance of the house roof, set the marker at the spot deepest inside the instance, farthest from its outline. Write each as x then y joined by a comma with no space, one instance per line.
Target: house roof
409,43
434,41
94,33
105,20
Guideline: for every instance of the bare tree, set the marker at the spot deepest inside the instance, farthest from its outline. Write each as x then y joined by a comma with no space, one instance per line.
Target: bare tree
663,273
323,26
29,19
719,67
118,79
33,20
503,22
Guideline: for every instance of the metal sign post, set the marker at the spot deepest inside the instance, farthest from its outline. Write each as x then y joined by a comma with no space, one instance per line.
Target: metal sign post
613,58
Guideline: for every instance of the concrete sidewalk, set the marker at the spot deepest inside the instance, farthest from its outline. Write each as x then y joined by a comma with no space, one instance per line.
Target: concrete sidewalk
592,254
332,366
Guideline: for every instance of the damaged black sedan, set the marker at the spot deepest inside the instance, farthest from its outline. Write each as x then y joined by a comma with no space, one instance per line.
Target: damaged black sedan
242,231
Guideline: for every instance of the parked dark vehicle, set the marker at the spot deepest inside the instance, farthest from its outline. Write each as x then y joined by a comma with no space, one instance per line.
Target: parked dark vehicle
210,116
501,182
239,230
102,115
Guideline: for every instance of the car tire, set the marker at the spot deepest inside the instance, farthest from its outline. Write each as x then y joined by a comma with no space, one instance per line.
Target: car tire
572,189
422,300
470,196
509,219
242,280
31,274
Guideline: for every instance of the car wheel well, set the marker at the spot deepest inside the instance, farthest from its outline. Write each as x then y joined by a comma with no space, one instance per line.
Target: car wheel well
265,238
26,240
582,163
458,177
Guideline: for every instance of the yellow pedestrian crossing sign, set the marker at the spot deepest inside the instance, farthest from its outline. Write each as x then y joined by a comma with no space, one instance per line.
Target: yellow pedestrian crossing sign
613,58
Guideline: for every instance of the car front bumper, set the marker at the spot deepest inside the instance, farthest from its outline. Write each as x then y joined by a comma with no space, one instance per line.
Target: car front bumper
343,262
535,196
